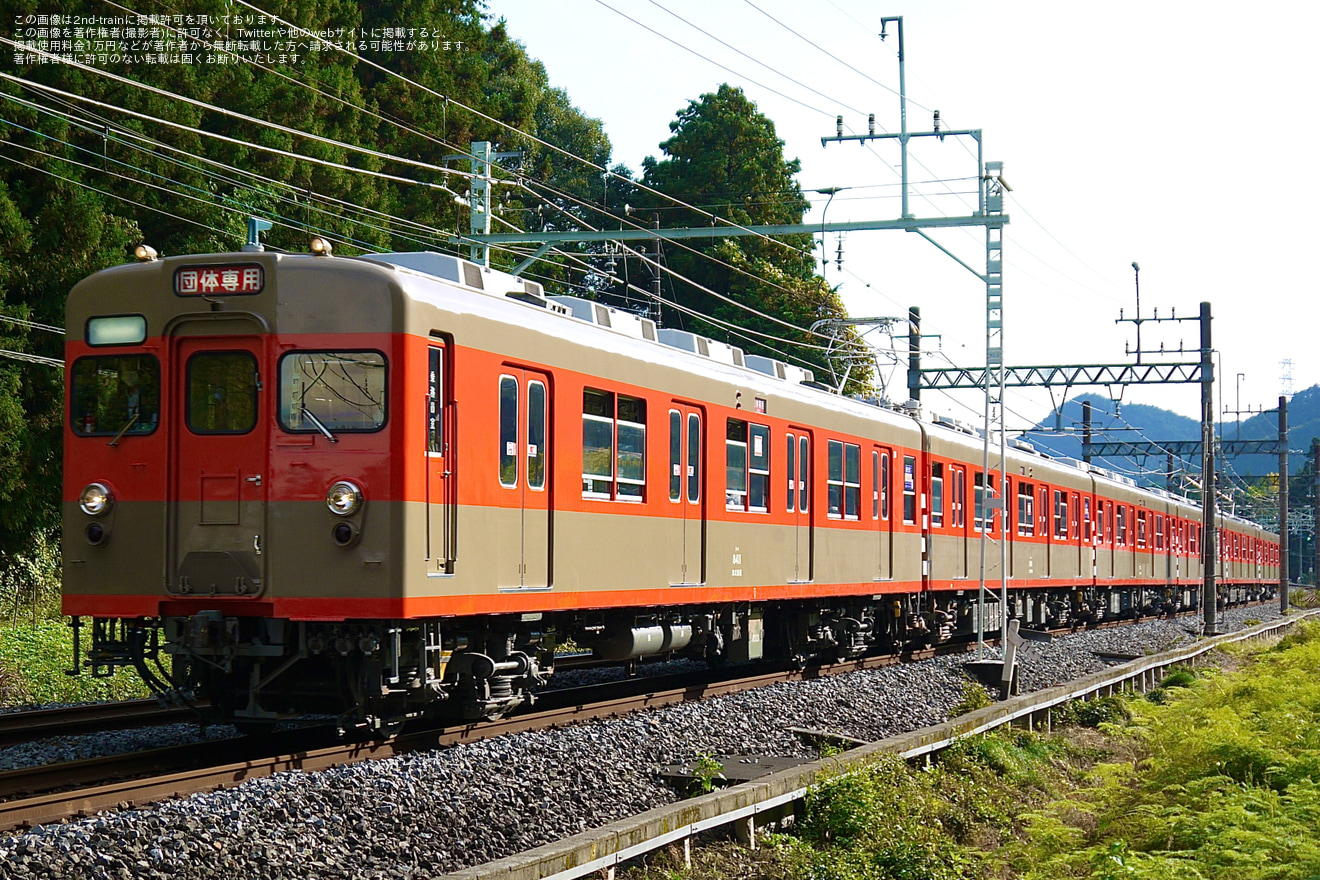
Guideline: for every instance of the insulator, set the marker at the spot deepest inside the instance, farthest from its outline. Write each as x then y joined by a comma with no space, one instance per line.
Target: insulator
870,123
838,125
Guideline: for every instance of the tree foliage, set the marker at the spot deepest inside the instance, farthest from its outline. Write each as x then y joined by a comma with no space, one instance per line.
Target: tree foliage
725,159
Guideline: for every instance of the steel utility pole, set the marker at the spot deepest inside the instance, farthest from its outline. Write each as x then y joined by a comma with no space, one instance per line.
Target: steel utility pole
1283,505
1209,554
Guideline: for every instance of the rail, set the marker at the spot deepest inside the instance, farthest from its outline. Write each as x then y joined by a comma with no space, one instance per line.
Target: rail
771,797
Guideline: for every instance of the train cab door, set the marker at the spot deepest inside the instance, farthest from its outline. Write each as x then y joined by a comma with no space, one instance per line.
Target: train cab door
219,442
797,503
687,496
882,513
524,469
440,482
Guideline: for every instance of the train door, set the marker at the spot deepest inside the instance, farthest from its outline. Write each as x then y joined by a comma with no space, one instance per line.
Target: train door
797,501
219,440
687,474
440,484
958,517
882,510
525,470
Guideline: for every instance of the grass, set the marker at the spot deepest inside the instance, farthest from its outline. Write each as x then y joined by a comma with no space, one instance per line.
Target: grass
1215,775
36,642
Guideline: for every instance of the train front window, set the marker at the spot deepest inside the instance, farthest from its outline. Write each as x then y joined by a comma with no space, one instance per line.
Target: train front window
115,395
328,392
222,392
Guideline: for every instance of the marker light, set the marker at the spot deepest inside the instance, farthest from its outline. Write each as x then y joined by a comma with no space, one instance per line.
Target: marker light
344,498
321,247
95,499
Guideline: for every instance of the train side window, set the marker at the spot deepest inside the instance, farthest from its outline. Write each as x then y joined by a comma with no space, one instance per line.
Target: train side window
909,489
747,466
937,494
536,435
790,471
694,459
979,517
1159,532
1026,520
884,485
1043,512
222,392
332,391
613,446
735,465
675,455
958,510
1120,526
435,388
875,485
1141,528
508,431
631,454
1086,519
1100,522
114,393
804,472
1060,513
852,481
758,469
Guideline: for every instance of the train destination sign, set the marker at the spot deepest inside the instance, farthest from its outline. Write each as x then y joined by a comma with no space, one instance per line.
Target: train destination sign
243,278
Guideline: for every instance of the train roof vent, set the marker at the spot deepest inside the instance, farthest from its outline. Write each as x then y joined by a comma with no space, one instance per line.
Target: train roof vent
1023,445
961,427
472,276
577,307
799,375
603,316
703,346
678,339
426,262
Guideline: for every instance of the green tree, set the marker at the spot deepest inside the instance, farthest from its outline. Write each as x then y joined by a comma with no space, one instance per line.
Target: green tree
725,158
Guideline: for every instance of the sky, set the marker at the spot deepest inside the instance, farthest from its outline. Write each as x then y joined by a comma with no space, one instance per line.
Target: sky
1180,135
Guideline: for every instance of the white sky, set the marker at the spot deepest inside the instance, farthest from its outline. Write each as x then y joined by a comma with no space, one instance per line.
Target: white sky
1181,135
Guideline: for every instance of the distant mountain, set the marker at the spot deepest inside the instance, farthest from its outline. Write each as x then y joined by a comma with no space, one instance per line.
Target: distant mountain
1110,422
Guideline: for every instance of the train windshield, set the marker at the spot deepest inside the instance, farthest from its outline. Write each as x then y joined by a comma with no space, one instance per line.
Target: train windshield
115,395
332,391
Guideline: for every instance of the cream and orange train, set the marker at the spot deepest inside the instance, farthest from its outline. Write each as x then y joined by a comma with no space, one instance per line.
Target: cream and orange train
381,486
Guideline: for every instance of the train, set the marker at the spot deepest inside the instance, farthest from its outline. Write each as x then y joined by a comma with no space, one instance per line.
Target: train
399,485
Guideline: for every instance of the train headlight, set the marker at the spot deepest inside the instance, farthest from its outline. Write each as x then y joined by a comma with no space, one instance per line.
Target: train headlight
344,498
95,499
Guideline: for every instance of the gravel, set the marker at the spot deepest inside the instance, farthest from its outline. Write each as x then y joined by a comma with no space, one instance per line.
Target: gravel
426,814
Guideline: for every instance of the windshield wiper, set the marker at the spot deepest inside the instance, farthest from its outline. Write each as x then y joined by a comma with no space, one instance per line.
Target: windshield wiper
307,414
132,420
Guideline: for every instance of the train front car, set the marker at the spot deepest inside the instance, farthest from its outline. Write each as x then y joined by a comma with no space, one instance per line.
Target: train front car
234,485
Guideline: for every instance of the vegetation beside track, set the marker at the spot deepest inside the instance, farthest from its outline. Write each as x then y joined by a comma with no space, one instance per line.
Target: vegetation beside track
1210,776
36,643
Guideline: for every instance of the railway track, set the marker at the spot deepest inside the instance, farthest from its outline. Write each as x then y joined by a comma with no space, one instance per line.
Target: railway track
53,792
18,727
39,795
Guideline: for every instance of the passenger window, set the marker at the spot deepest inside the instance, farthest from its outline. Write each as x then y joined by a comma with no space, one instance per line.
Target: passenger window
508,431
435,387
613,446
694,459
536,448
114,394
909,489
675,455
804,471
222,392
758,470
1026,515
937,495
844,479
332,391
735,465
791,472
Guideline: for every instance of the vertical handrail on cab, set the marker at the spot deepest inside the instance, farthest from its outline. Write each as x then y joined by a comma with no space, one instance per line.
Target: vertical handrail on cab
451,482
